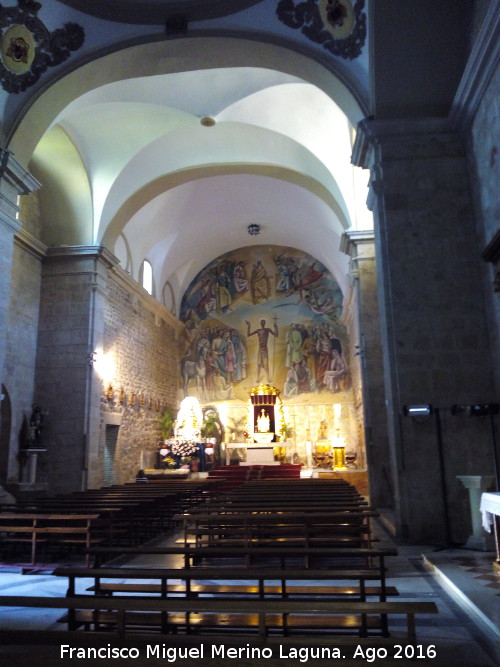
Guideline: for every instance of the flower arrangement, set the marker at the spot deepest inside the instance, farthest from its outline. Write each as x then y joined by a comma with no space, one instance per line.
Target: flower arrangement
169,462
184,447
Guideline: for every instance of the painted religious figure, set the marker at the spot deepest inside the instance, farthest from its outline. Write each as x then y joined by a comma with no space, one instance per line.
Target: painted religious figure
262,334
260,283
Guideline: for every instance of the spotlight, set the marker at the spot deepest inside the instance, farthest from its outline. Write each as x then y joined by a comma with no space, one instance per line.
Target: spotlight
417,410
253,229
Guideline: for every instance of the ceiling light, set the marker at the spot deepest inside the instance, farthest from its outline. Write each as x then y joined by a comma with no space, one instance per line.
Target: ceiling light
253,229
207,121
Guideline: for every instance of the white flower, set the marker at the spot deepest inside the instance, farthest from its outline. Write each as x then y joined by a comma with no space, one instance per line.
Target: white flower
184,447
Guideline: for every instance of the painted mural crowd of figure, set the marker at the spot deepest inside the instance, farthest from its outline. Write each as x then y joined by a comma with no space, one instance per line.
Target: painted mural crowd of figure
218,288
217,357
314,359
220,285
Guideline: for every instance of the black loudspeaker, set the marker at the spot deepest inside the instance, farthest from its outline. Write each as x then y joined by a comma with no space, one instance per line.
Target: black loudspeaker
476,410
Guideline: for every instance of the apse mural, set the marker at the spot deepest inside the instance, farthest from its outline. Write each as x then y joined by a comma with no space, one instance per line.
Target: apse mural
264,314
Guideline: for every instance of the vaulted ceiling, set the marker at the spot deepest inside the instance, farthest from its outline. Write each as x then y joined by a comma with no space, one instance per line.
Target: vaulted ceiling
165,146
170,163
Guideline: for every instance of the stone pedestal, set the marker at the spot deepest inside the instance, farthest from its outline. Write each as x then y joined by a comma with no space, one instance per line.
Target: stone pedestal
31,464
476,485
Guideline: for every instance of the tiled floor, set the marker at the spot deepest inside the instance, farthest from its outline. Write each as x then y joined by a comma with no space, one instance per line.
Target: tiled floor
466,632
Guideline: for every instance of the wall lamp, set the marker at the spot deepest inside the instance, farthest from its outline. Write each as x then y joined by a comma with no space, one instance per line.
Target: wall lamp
417,410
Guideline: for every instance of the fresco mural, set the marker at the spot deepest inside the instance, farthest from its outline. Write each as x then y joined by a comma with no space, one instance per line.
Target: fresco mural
264,314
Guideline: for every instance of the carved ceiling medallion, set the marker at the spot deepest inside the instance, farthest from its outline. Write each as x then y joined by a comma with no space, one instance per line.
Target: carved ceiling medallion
27,48
339,25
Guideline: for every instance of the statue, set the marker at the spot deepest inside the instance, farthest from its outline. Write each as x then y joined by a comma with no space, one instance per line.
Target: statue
263,422
37,420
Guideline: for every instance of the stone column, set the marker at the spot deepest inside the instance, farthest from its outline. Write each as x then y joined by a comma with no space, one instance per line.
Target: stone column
14,181
434,334
360,246
476,485
71,329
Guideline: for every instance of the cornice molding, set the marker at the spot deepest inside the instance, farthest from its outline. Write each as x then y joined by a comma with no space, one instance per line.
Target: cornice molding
16,175
482,64
352,237
83,251
28,242
9,223
372,133
122,278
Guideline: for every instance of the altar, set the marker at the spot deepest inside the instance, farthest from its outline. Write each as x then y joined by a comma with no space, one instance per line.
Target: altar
490,510
260,455
256,454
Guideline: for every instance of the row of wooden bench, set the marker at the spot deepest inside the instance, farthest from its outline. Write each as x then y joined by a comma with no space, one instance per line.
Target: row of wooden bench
250,570
118,515
262,604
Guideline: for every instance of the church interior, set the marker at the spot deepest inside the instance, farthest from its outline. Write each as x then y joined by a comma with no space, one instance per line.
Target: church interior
251,240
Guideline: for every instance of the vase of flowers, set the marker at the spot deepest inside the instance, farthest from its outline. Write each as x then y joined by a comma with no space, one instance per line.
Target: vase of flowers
181,447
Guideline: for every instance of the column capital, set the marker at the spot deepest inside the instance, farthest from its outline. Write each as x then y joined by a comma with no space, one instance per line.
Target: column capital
84,252
402,139
15,175
352,238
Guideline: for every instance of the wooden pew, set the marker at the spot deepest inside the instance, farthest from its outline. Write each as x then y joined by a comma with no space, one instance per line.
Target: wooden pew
37,530
323,583
258,618
284,529
254,555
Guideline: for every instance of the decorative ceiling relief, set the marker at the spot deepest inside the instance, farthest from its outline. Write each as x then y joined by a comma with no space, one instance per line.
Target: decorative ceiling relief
339,25
28,48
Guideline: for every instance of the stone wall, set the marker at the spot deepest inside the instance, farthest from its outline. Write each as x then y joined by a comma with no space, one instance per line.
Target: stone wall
139,378
484,162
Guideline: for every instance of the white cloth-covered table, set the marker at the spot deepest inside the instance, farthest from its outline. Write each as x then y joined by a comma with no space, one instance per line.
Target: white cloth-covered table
490,507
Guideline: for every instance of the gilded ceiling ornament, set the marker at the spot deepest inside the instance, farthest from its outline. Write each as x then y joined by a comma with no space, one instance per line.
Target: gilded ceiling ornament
28,48
338,25
18,50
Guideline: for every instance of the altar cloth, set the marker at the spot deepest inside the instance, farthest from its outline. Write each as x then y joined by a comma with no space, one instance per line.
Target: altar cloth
490,506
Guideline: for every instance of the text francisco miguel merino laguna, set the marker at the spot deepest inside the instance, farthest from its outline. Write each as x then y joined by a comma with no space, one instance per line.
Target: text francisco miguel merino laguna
173,653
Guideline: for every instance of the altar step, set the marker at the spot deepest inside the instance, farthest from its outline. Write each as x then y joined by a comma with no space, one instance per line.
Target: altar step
235,476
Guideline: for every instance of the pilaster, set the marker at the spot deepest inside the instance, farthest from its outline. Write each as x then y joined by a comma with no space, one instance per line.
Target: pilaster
360,246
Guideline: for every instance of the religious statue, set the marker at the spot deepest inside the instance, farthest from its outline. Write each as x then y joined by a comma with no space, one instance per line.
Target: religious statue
37,420
263,422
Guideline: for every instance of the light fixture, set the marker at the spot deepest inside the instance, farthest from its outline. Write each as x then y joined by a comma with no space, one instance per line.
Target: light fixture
253,229
92,358
476,410
423,410
207,121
